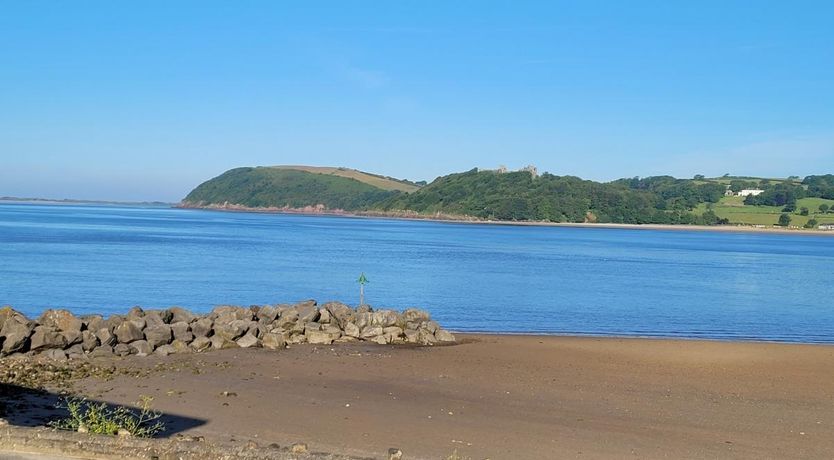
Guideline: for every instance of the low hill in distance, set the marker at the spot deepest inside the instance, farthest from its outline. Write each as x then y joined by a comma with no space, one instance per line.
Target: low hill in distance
382,182
526,196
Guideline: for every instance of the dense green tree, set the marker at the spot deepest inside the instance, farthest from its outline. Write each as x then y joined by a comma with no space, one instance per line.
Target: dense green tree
784,219
812,223
823,208
803,211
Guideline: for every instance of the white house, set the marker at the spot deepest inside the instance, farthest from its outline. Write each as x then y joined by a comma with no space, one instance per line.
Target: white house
826,227
750,191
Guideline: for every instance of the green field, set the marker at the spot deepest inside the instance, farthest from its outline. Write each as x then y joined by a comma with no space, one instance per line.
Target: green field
734,209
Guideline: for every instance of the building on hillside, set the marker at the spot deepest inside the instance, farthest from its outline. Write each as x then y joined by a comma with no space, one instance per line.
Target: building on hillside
750,191
502,169
729,192
826,227
532,170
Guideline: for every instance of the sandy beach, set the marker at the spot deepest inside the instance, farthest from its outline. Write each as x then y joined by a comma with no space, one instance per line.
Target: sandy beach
453,219
504,397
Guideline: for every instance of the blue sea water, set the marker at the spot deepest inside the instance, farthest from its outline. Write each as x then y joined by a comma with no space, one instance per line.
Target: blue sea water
737,286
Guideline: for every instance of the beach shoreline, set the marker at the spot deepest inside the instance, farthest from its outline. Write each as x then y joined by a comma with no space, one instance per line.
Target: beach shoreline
314,212
502,397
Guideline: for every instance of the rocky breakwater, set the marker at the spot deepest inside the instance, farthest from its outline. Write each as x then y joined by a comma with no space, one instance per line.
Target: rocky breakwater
61,335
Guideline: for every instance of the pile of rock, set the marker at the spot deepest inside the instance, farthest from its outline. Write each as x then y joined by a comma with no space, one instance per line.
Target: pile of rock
59,334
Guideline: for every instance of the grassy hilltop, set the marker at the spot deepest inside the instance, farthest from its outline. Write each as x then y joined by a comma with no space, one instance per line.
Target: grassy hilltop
526,196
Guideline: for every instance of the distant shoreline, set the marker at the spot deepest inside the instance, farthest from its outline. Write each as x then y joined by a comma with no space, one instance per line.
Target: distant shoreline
14,199
312,211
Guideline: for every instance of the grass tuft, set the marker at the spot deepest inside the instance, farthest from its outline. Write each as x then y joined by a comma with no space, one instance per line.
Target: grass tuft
99,418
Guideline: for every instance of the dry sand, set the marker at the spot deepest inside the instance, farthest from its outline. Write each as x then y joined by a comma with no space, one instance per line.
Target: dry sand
507,397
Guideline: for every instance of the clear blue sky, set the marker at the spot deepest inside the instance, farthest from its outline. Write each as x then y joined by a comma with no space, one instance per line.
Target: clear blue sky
144,100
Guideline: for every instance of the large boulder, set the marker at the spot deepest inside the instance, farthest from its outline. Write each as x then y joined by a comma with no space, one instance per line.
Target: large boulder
92,322
89,341
128,332
231,330
287,319
140,348
307,312
444,336
274,340
248,340
202,327
416,315
321,337
200,343
371,332
153,318
62,320
15,332
105,336
267,314
182,331
158,335
179,314
236,312
342,313
351,330
385,318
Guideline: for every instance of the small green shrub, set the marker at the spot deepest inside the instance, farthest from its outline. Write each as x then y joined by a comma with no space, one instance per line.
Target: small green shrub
98,418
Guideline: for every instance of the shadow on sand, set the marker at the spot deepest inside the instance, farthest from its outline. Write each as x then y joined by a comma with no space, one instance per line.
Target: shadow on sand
27,407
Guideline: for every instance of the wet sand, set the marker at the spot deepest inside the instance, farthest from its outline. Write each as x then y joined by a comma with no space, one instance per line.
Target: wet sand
506,397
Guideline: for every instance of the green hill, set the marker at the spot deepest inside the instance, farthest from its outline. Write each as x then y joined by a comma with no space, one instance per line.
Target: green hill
263,187
525,196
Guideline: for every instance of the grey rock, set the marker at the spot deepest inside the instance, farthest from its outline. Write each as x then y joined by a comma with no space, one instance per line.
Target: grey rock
385,318
352,330
55,354
200,343
153,318
416,315
121,349
46,337
233,311
180,347
431,326
231,330
135,313
106,337
267,314
342,313
287,318
92,323
426,337
380,339
72,337
324,316
75,352
202,327
444,336
371,331
248,340
165,350
128,332
321,337
103,351
159,334
88,340
62,320
179,314
274,341
182,331
15,333
307,312
140,348
412,336
364,308
220,343
363,319
312,327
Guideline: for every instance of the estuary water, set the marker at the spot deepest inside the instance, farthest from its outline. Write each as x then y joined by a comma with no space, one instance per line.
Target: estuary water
520,279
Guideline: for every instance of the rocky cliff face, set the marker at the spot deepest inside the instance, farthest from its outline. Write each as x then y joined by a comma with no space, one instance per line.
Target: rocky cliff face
60,335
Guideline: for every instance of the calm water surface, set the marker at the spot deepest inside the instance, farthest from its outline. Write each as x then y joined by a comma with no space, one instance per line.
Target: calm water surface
105,259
